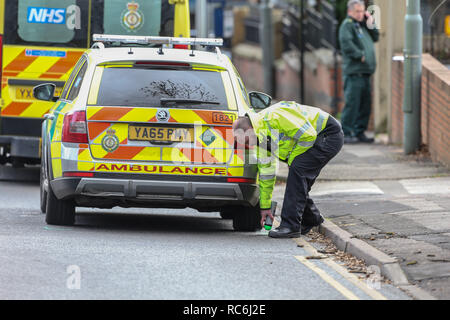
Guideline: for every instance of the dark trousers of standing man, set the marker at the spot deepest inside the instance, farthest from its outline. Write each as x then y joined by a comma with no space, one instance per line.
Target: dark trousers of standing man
304,170
358,101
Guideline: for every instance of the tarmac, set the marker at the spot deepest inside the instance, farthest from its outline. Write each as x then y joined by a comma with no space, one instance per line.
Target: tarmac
391,210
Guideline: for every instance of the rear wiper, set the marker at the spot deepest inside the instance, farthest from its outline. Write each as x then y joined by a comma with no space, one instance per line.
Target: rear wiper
165,101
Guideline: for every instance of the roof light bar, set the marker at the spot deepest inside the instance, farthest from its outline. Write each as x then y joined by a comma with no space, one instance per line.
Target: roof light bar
158,40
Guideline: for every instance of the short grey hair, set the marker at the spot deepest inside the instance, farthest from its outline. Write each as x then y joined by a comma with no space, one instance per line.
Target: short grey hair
352,3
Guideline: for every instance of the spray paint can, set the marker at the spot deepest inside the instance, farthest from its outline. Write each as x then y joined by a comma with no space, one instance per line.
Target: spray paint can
268,223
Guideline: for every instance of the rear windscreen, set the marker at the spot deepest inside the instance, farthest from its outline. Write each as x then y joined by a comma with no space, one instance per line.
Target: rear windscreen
136,87
139,17
47,22
66,23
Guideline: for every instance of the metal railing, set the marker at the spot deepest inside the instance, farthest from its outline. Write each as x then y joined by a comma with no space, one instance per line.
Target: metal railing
308,28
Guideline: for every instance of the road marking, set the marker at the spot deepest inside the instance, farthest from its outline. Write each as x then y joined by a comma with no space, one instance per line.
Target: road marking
348,187
427,185
335,284
339,287
373,293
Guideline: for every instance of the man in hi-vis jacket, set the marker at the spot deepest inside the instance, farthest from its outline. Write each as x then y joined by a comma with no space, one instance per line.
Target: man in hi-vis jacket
306,138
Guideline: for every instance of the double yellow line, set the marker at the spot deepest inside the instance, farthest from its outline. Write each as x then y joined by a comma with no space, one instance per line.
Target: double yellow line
347,293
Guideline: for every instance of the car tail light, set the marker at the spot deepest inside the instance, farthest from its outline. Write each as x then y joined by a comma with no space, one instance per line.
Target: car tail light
241,180
79,174
181,46
1,61
75,127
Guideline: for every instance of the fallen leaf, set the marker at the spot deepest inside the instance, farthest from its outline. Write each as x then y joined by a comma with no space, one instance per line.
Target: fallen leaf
315,257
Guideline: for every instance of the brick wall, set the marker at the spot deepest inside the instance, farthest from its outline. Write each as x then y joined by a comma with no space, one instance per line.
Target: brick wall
435,114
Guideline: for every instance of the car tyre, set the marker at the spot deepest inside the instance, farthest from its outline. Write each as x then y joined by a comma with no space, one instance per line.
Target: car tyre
42,191
59,212
43,179
227,214
247,219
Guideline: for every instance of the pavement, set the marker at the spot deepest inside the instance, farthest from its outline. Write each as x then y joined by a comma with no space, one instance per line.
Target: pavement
390,210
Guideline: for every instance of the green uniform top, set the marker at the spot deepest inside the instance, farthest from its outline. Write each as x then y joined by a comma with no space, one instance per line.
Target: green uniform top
284,130
357,40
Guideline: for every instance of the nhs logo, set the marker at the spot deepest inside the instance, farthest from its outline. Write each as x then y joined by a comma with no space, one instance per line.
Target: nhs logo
46,15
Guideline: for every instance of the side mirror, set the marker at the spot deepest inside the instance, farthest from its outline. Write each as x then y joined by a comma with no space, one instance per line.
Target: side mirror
45,92
259,100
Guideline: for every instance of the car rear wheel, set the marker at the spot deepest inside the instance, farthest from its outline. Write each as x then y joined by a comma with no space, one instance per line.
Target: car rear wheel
247,219
42,191
43,184
59,212
227,214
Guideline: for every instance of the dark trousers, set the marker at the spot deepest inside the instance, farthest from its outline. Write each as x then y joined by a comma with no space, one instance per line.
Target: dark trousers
358,103
298,207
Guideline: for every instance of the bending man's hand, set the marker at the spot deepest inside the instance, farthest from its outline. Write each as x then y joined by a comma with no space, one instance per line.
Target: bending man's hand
264,214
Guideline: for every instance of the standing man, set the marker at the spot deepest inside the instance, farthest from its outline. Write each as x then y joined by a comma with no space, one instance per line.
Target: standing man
357,36
307,139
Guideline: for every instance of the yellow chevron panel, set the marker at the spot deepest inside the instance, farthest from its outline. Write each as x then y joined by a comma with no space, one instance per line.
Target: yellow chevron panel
91,111
121,131
186,116
57,168
85,166
98,151
148,154
85,155
55,150
175,155
36,110
139,115
222,155
236,161
236,171
10,53
38,67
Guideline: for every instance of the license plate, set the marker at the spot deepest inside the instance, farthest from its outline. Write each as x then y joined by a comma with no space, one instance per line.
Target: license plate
27,93
164,134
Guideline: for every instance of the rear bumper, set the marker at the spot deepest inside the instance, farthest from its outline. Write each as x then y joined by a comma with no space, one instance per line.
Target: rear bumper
21,126
22,147
97,192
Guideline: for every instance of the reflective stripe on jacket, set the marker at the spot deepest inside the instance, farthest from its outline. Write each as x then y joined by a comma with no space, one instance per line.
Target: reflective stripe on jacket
284,130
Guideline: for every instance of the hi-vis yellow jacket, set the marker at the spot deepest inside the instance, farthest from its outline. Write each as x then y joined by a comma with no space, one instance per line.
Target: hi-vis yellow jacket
284,130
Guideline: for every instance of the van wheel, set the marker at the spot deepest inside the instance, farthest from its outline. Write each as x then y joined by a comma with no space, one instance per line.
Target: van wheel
59,212
247,219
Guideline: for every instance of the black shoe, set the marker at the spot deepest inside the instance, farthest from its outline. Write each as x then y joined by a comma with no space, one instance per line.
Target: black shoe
306,229
362,138
350,140
284,232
